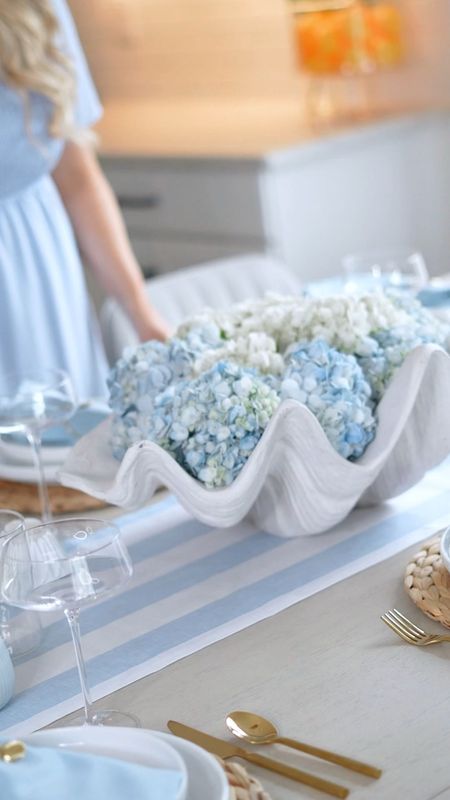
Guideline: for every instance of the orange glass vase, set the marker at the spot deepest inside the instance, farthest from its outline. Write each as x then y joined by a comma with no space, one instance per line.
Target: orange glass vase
347,37
383,35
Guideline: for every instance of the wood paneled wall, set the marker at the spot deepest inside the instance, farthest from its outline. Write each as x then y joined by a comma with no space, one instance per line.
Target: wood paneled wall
189,48
424,81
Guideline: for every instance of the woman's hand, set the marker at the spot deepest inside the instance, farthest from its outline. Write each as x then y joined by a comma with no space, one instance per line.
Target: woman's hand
152,326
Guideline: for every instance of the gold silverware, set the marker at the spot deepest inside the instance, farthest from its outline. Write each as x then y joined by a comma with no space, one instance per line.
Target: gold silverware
12,751
227,750
258,730
410,632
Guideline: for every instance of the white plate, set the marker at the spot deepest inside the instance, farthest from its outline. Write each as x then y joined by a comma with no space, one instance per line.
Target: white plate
126,744
16,462
205,777
445,548
16,456
25,474
21,455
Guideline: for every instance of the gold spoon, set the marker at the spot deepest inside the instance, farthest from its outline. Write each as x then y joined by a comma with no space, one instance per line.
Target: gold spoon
12,751
257,730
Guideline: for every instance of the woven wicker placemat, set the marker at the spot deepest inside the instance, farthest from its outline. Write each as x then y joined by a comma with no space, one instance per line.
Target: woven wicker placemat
427,581
242,785
24,497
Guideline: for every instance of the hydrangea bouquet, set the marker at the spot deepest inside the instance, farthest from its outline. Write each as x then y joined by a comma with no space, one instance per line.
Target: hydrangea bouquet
207,395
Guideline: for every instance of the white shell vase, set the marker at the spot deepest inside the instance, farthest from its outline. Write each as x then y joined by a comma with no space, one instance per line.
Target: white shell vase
6,675
294,483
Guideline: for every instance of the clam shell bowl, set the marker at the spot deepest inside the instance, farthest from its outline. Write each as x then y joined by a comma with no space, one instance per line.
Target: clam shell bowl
294,483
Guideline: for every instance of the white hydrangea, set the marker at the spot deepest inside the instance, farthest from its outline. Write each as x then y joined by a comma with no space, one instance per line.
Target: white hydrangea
257,350
343,321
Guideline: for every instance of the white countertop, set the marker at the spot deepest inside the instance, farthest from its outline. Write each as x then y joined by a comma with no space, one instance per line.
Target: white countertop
227,130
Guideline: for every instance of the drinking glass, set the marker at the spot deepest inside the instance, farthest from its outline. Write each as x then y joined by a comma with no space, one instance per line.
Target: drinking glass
42,399
399,270
68,564
21,632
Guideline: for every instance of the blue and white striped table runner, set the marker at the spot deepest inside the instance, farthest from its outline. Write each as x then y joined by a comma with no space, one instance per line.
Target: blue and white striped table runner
193,585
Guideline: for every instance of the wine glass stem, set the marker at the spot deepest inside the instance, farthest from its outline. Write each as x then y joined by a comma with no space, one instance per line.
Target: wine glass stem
73,616
4,626
34,440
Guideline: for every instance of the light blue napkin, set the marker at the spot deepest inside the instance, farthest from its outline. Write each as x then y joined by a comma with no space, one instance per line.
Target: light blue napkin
51,773
431,296
435,296
83,421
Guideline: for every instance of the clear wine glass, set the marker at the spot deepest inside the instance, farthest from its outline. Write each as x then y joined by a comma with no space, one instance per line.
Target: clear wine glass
21,632
398,270
68,564
41,399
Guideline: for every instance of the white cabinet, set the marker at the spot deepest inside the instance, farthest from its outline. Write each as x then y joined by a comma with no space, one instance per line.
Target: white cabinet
381,184
184,211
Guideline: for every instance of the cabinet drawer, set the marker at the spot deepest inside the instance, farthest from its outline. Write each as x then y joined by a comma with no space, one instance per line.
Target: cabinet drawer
192,196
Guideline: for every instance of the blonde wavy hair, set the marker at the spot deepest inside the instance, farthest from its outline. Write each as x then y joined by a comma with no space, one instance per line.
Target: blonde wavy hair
31,61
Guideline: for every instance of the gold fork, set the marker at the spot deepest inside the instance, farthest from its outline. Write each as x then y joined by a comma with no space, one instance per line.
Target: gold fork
410,632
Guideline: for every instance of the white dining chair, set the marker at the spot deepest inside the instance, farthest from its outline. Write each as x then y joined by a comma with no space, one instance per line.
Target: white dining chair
179,294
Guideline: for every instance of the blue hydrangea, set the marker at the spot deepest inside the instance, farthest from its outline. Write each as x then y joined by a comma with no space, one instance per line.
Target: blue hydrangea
391,350
391,346
138,377
145,371
141,371
210,424
213,423
332,385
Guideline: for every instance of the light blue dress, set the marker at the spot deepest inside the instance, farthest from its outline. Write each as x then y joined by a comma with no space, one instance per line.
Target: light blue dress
45,312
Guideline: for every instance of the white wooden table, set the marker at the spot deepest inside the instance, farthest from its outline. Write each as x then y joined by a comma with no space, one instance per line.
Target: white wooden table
328,671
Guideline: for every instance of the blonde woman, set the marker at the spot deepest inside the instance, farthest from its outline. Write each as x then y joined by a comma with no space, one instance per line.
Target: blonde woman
56,203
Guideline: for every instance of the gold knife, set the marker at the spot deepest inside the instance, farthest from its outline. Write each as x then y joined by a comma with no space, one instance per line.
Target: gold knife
227,750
